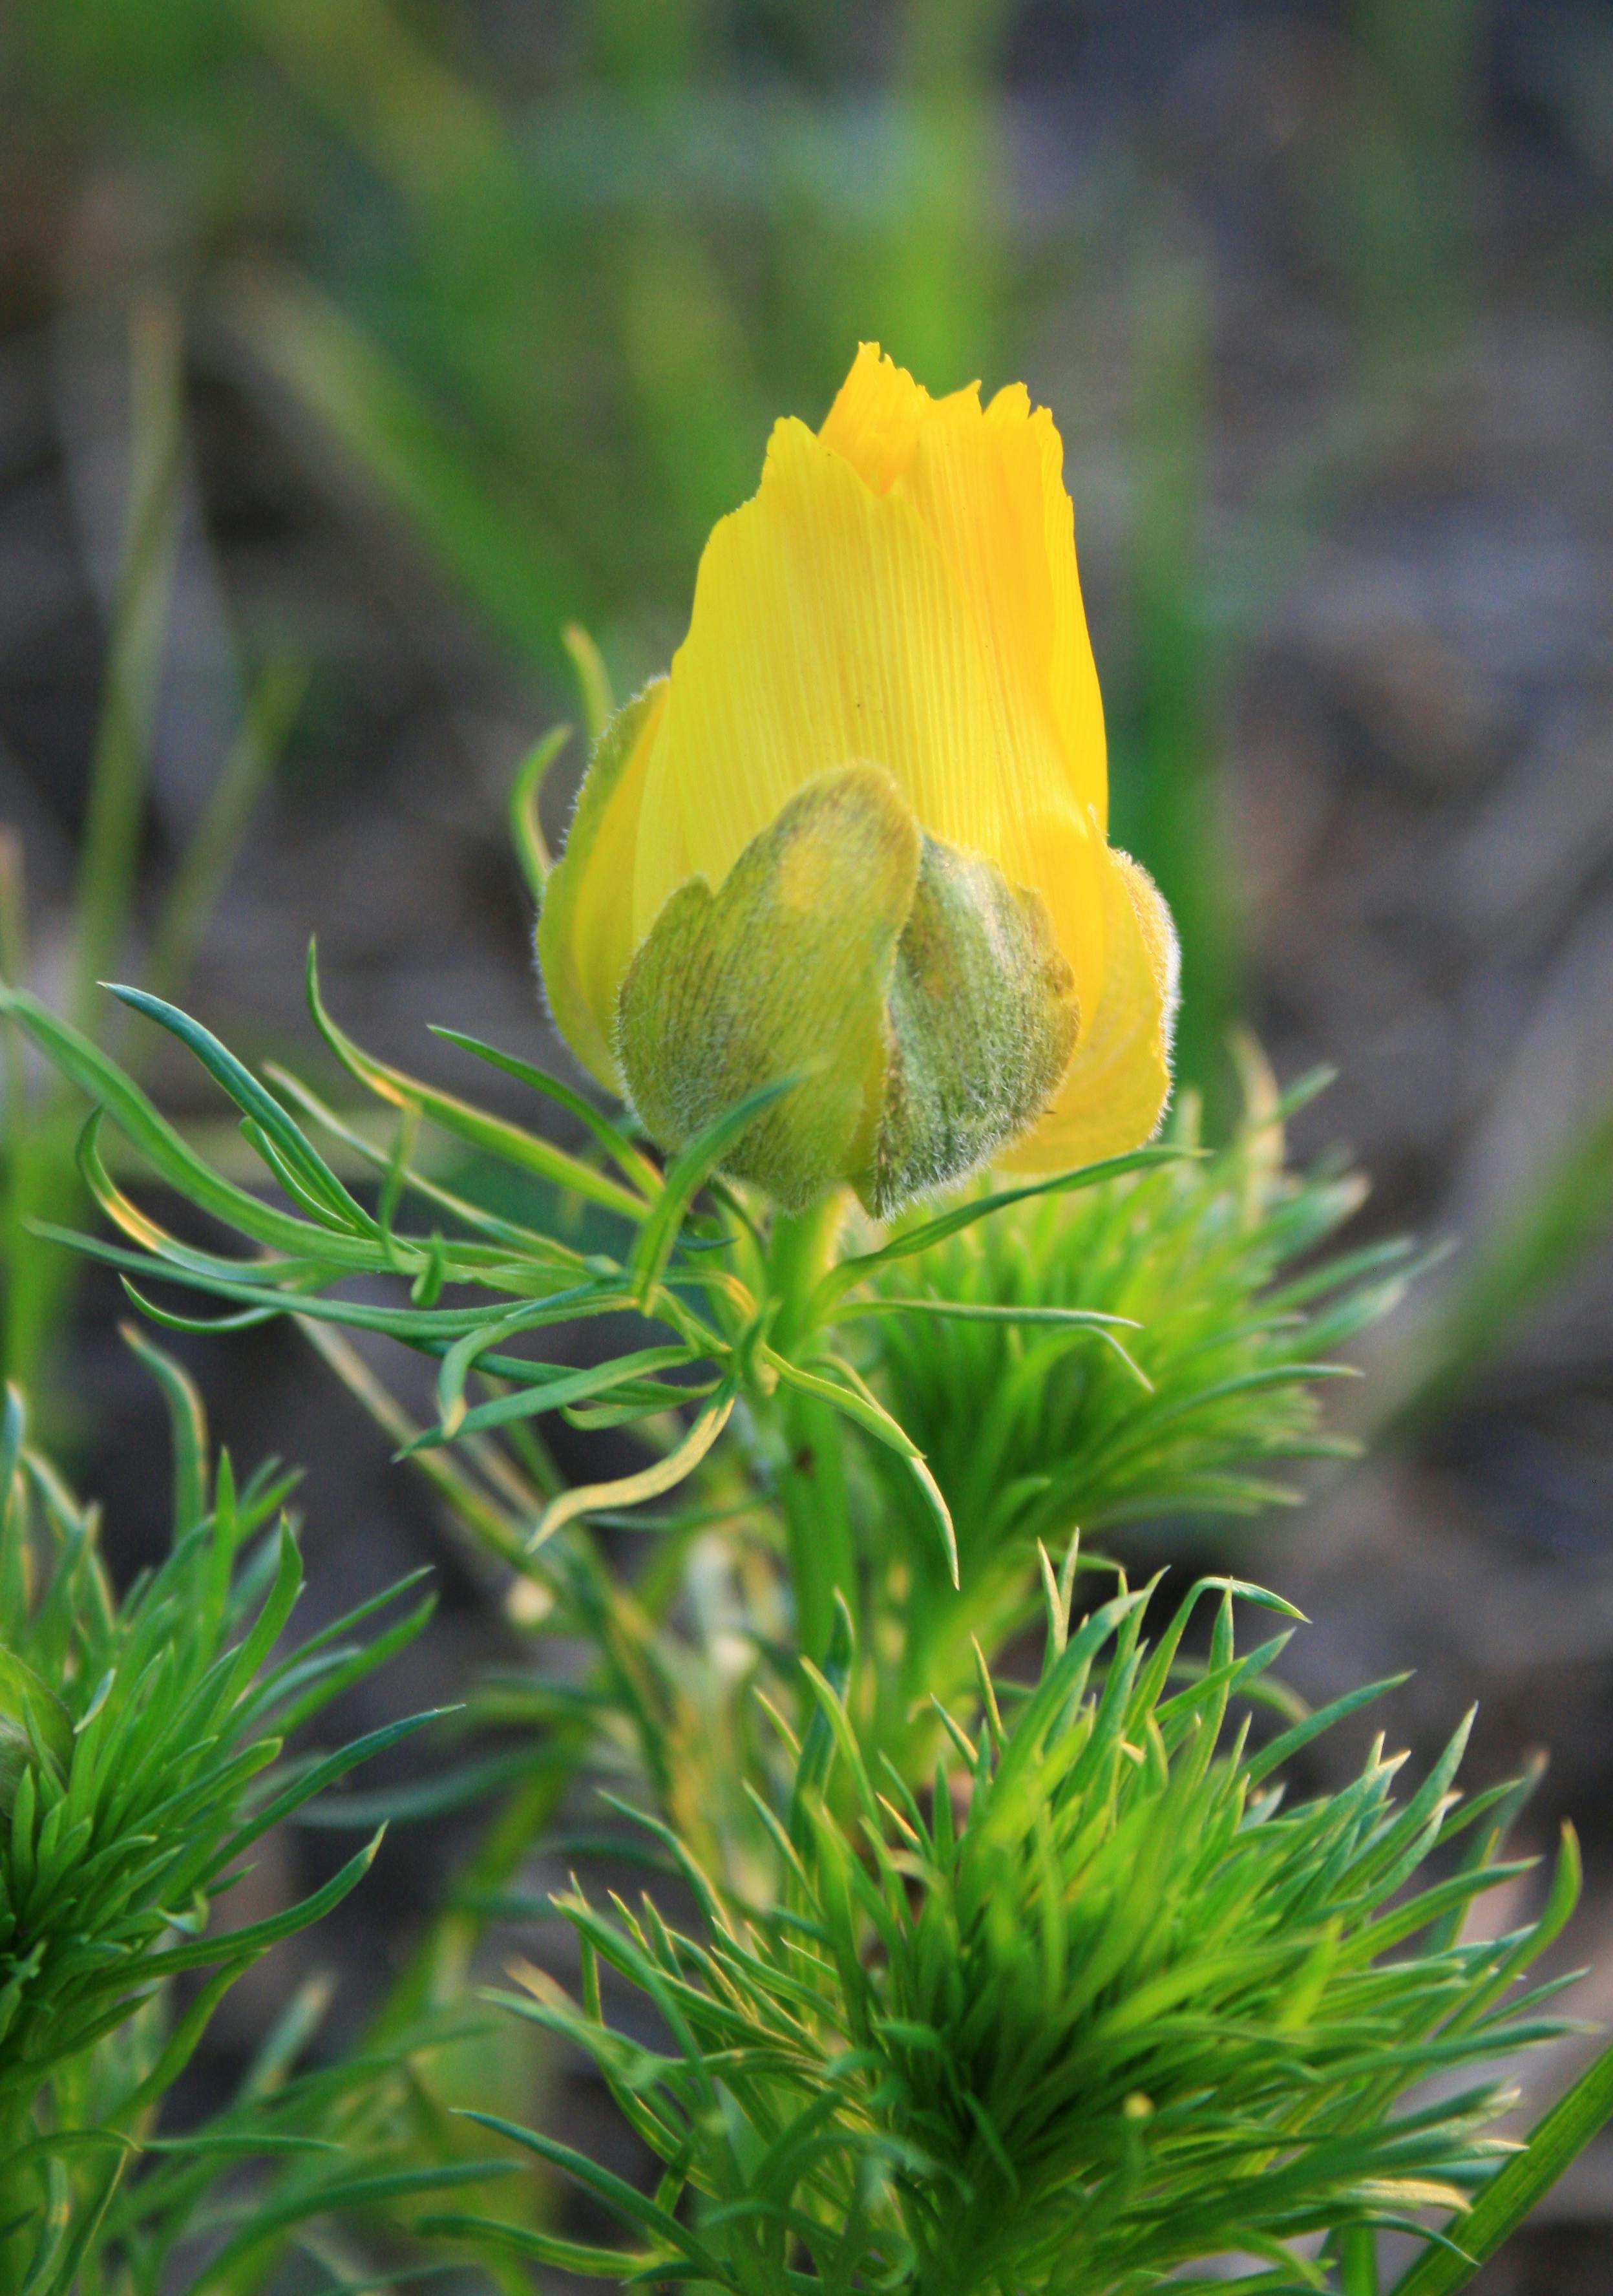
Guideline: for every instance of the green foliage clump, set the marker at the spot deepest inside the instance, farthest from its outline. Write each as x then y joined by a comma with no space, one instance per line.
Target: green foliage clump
1178,1408
1083,2006
1099,2007
145,1741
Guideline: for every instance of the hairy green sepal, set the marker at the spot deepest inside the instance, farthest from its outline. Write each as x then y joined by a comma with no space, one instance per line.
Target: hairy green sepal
783,970
919,997
982,1022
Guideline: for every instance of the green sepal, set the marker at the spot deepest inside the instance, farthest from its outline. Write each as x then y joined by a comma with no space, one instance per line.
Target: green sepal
920,999
784,969
982,1022
25,1699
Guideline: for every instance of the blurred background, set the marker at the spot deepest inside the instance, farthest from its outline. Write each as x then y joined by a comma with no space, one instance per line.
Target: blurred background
348,351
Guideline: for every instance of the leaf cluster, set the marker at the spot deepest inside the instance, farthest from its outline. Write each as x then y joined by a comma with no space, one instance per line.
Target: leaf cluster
148,1738
1124,1340
1214,1322
1099,2006
1084,2004
708,1277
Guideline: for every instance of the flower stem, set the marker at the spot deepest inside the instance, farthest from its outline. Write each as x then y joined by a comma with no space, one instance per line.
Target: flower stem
810,1461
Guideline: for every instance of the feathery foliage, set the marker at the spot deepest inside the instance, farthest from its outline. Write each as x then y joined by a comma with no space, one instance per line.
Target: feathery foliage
1223,1324
1122,1319
1081,2005
143,1742
1099,2007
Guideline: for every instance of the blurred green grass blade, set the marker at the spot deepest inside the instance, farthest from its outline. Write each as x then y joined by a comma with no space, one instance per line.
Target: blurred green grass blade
687,361
476,1511
1411,160
271,712
1555,2142
510,569
429,1797
542,2247
933,278
303,1786
1168,791
425,130
30,1274
1562,1217
40,1181
615,2194
118,776
223,2274
1358,2261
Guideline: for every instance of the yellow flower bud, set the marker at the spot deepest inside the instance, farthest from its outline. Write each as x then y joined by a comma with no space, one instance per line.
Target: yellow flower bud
859,834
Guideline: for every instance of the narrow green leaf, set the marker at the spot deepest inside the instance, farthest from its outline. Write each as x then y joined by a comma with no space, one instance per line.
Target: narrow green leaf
502,556
235,1945
204,869
491,1134
635,1167
1554,2142
902,1246
619,2196
103,1081
188,1423
541,2247
687,1173
255,1101
139,630
566,1386
650,1483
316,1779
593,679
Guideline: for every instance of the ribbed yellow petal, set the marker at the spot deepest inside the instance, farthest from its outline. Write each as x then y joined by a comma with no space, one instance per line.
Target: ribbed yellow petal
586,935
1116,1087
874,421
989,487
1072,674
831,624
989,484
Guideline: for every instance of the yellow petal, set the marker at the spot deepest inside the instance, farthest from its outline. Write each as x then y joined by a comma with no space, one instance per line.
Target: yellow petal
1072,673
831,625
874,421
989,484
584,935
1116,1087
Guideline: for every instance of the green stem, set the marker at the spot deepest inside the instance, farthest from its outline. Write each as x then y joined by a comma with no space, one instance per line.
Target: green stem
800,1252
811,1461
